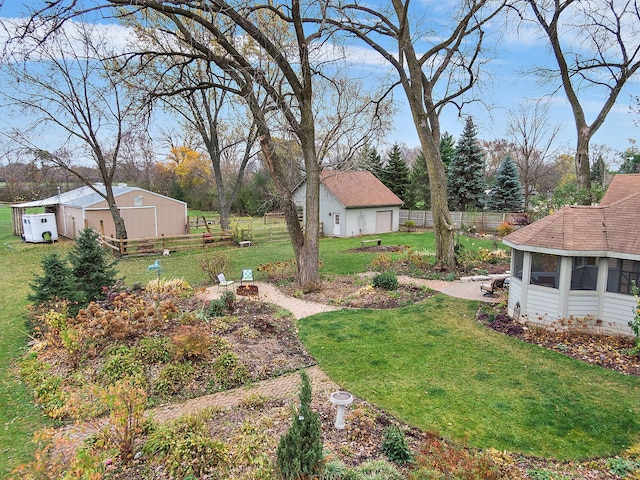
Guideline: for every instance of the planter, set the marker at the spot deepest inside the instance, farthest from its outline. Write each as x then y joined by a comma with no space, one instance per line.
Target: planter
247,290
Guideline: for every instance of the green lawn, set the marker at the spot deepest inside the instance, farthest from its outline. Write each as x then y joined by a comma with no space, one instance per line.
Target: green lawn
454,377
433,366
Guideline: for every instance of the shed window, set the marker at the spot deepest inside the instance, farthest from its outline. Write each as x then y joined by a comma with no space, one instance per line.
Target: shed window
584,273
518,263
621,275
545,270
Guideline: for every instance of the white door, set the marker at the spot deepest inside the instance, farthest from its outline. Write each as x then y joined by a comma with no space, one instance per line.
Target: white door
336,224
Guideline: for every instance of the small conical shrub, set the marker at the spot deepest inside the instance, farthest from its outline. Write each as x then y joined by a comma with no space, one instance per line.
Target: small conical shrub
299,453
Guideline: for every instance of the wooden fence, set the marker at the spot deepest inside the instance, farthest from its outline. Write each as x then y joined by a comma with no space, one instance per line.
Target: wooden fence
164,244
479,221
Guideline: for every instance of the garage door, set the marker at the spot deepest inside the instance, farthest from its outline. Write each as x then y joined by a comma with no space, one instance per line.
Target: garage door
384,221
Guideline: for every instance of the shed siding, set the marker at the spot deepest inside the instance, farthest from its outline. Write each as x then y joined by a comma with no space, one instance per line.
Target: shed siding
73,221
329,206
149,216
360,221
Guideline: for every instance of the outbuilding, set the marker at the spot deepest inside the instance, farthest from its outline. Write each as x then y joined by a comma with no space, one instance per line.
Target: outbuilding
145,213
579,264
354,203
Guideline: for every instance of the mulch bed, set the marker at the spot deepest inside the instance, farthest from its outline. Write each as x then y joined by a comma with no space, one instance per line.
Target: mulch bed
608,351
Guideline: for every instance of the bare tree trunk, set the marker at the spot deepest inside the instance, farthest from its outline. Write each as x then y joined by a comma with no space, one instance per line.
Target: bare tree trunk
443,226
583,167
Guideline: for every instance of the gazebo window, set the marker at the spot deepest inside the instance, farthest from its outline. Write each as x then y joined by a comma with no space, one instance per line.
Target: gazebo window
621,275
584,273
545,270
518,263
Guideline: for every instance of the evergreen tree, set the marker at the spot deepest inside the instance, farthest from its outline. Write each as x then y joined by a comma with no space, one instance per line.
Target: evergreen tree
506,195
90,265
419,187
299,454
466,172
372,162
598,171
447,148
57,282
395,174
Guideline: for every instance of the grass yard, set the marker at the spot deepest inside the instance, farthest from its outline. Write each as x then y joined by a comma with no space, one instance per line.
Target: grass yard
433,366
19,262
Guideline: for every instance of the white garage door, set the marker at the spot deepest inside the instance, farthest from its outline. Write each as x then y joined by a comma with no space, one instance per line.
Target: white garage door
384,221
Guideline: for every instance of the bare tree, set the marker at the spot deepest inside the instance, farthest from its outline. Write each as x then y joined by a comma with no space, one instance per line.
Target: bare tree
536,145
596,46
64,83
267,54
439,76
182,86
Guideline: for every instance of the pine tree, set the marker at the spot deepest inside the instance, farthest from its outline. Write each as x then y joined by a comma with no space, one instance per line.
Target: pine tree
447,148
395,174
466,172
419,185
372,162
506,195
90,265
299,454
57,282
598,171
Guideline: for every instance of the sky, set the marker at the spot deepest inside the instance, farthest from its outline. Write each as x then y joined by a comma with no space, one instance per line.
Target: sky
503,85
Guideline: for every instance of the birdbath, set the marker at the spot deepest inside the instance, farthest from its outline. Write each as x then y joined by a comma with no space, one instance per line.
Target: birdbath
341,399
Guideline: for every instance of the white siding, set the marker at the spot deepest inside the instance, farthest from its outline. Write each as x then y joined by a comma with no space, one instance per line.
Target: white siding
582,304
542,305
515,294
360,221
617,312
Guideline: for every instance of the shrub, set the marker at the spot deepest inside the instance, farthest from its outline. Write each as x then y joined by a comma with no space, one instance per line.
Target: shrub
191,342
394,445
386,281
381,262
154,350
438,459
126,403
521,219
505,228
410,225
56,283
213,264
90,266
187,448
299,453
229,372
173,378
122,363
229,299
279,270
217,308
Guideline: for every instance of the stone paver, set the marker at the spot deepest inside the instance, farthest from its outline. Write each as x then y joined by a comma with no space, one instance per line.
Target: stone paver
280,388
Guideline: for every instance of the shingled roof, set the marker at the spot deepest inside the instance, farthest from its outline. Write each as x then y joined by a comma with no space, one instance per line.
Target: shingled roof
358,189
621,186
614,227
